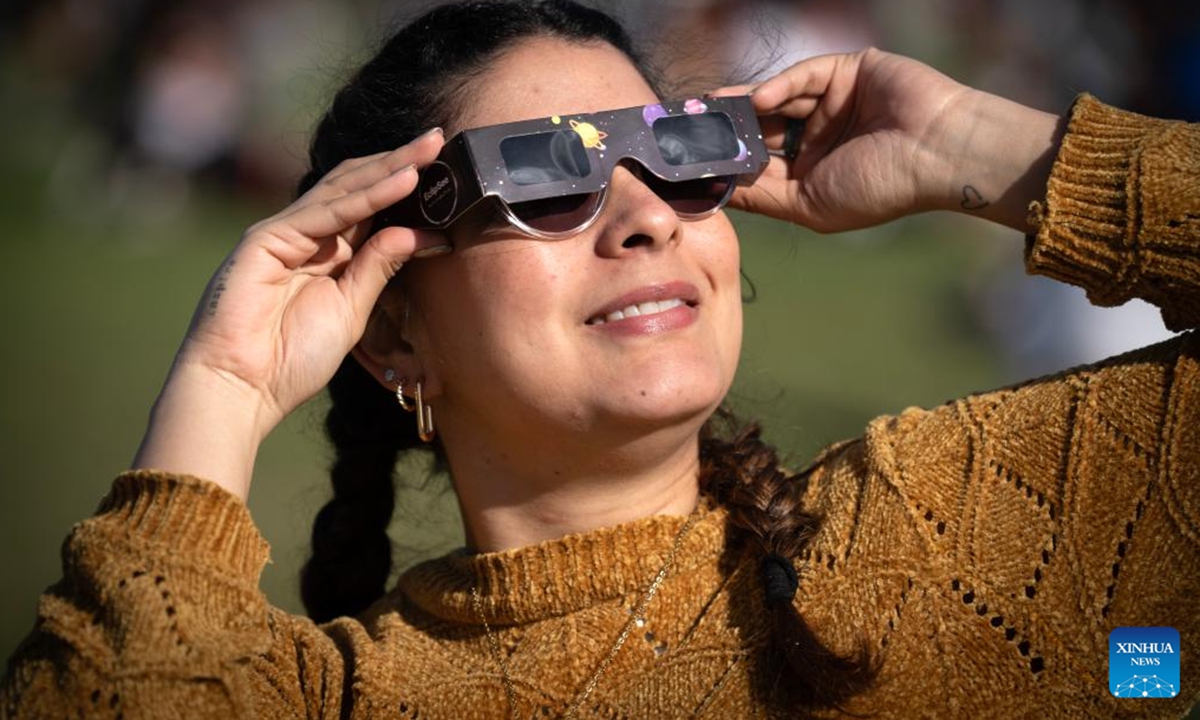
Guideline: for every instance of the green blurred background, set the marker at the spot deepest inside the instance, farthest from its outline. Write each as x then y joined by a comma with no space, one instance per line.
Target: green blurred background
111,237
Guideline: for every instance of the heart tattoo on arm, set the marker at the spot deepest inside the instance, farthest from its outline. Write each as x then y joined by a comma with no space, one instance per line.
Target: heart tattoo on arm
971,199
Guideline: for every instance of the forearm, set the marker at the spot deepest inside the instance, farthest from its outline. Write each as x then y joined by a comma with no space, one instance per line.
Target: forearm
997,156
206,426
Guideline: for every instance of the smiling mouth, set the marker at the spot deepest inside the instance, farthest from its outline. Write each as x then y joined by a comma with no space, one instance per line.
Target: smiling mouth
646,308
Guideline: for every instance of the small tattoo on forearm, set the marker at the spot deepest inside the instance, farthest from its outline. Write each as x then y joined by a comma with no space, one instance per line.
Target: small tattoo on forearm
219,286
971,199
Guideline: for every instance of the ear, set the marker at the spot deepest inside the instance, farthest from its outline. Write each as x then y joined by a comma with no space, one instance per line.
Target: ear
384,348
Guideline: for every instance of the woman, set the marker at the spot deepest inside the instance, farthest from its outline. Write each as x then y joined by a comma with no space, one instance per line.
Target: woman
625,558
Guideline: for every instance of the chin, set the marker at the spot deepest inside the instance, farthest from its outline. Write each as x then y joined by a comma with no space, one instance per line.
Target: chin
682,399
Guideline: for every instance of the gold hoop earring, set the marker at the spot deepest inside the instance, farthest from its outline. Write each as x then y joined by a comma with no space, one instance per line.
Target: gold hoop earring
400,397
424,417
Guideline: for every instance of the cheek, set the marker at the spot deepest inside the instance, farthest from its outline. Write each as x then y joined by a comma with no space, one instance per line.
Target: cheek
488,298
727,248
721,255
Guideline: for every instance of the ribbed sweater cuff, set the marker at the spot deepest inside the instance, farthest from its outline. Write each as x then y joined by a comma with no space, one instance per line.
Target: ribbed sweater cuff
1089,226
187,518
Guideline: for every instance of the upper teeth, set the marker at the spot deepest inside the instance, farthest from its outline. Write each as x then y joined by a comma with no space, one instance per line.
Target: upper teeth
646,308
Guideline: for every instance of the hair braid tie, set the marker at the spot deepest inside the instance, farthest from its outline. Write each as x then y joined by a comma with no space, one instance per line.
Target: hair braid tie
779,578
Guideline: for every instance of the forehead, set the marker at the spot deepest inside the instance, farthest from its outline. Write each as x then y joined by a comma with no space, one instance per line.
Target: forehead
550,76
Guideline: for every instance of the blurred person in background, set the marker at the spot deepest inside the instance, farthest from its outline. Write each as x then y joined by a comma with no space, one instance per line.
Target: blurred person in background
628,554
171,98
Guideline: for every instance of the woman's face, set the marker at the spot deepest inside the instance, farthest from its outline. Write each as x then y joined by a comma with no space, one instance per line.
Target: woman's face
516,337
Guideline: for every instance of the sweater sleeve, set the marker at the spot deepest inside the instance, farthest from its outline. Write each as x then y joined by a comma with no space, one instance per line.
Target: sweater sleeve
1121,217
158,614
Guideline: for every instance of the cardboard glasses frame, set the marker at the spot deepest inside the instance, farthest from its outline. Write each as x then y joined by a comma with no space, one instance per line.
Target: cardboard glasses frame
550,175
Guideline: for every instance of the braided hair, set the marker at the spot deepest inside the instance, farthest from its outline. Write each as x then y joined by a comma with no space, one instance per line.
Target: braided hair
418,80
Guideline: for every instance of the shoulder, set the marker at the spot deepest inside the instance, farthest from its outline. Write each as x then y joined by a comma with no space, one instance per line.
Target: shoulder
918,481
1021,524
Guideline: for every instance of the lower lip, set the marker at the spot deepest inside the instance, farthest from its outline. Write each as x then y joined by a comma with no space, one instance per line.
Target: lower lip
677,317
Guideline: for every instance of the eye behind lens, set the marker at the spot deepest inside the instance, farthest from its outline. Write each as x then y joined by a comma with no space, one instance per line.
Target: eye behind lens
559,215
566,215
692,199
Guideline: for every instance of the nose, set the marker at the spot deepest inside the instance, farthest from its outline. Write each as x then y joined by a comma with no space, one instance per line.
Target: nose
635,219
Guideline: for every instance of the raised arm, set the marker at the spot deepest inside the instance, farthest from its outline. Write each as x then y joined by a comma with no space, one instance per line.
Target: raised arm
279,316
882,136
159,612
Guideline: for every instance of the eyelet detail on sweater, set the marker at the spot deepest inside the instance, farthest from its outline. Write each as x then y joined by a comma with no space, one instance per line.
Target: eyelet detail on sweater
894,620
939,526
1122,548
819,557
1021,485
165,596
1037,663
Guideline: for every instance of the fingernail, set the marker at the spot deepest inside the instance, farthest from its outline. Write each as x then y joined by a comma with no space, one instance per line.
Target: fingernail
430,131
433,251
409,167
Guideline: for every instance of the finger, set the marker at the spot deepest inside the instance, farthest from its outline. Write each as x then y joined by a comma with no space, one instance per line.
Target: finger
330,259
349,164
378,261
298,237
806,79
421,151
774,129
734,90
770,192
358,173
800,107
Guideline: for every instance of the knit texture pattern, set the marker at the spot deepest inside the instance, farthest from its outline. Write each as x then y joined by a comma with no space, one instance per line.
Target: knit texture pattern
983,549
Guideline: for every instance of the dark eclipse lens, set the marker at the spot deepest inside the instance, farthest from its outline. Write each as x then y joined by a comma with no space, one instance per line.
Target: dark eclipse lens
545,157
692,139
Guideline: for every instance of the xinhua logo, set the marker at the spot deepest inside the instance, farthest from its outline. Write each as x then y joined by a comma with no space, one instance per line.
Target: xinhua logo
1143,662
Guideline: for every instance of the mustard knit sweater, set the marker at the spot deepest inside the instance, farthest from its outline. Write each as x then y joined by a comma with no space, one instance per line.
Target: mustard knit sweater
983,549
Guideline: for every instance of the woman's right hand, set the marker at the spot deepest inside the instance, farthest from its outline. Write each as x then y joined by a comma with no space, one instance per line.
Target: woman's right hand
280,315
886,136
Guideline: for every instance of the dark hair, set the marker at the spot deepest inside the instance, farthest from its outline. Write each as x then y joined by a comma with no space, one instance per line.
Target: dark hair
415,82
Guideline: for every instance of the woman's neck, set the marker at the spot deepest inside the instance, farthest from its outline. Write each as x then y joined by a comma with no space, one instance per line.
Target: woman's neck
511,499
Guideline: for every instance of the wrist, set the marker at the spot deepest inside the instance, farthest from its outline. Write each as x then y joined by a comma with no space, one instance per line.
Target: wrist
997,158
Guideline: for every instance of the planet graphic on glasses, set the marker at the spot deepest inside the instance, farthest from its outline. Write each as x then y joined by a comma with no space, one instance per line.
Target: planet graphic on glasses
589,134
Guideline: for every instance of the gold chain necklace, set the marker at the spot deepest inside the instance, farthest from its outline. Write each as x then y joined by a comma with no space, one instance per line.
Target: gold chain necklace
637,617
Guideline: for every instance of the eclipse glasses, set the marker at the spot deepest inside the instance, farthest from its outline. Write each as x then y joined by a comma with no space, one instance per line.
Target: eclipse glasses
550,176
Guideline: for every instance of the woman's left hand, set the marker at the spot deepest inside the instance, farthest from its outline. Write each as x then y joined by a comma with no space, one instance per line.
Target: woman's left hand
886,136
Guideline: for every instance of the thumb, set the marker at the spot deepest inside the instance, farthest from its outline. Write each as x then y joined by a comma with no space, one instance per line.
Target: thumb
378,261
